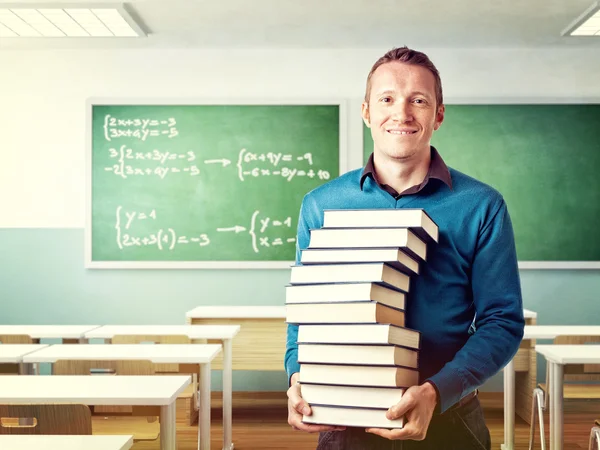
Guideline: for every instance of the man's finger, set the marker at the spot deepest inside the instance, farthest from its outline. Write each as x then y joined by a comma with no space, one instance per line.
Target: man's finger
302,407
402,407
312,428
402,433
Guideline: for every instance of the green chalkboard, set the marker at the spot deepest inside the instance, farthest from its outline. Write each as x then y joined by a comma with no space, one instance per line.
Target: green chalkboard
193,183
544,159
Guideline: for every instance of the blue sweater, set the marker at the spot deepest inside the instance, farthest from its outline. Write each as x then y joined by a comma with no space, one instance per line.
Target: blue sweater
470,273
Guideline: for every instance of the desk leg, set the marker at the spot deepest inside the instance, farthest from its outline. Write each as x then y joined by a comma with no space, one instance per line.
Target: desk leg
227,394
556,406
509,406
168,430
204,412
27,369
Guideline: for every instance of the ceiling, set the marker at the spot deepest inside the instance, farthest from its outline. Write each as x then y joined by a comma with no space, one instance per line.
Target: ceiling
336,24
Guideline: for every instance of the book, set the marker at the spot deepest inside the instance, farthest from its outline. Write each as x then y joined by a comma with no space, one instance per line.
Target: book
349,273
415,219
394,257
370,355
359,334
353,312
351,417
344,292
368,237
392,376
366,397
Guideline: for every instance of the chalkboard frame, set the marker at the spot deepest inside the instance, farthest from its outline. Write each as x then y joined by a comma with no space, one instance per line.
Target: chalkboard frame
492,101
344,157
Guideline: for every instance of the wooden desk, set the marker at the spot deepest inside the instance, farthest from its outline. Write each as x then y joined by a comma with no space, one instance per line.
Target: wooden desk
532,332
51,442
557,356
260,344
158,354
68,333
97,390
13,354
222,334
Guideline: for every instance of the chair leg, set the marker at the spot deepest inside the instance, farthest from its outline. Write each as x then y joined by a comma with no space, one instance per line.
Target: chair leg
541,405
594,439
537,402
532,420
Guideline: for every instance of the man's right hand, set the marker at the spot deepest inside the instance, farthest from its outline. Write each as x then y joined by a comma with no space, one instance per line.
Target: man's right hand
297,407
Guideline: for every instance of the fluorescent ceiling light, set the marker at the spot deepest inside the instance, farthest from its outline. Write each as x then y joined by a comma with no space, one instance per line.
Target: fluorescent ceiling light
67,20
587,24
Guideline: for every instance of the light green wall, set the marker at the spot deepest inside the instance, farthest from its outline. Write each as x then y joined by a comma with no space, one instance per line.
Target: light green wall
43,281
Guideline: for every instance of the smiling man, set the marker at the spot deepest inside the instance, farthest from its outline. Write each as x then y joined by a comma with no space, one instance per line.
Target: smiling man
466,301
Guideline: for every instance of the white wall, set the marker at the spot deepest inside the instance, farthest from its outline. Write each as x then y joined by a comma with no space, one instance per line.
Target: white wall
43,93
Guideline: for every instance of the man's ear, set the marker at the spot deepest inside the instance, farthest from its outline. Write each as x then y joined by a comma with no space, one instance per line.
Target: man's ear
364,109
439,118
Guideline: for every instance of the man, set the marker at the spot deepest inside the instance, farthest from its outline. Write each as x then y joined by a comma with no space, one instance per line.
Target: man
466,301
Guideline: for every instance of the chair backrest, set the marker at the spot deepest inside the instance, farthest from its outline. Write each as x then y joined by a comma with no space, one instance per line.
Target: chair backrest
85,367
580,372
15,339
154,339
98,368
45,419
7,339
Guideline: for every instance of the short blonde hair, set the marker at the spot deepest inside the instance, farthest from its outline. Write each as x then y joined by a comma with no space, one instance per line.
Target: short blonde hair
408,56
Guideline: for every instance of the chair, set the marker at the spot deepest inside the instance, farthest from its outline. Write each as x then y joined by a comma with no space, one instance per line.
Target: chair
582,372
48,419
8,368
130,417
15,339
595,437
189,397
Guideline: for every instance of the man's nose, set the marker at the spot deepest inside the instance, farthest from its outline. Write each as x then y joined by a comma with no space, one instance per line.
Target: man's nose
402,112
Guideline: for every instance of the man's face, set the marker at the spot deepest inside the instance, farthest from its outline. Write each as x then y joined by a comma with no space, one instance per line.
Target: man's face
401,111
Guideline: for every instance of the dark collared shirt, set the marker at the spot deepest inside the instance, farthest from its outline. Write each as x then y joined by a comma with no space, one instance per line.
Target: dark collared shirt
437,169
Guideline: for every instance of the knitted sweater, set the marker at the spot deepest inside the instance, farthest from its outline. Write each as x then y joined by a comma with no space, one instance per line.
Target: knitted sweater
466,300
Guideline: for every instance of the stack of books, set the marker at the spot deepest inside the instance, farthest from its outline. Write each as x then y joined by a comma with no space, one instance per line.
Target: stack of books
348,297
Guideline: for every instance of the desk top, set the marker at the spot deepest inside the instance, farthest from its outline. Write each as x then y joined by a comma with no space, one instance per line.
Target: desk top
52,442
13,353
237,312
158,354
48,331
93,389
570,354
259,312
191,331
552,331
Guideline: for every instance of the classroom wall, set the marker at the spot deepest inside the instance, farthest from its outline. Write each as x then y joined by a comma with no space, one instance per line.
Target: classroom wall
42,171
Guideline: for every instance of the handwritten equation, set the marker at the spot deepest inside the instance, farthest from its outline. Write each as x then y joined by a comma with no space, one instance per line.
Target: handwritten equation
140,129
167,162
163,239
258,227
169,239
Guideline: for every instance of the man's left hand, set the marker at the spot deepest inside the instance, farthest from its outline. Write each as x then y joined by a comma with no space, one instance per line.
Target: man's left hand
417,406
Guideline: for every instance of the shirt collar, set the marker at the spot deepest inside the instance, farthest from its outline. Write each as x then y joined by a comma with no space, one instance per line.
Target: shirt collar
437,169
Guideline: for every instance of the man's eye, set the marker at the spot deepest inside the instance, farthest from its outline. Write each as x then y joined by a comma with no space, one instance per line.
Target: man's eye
419,100
386,99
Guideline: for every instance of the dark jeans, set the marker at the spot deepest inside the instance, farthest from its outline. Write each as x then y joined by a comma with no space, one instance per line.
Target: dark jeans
461,428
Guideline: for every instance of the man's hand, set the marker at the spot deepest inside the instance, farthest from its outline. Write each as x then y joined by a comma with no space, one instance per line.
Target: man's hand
417,406
297,406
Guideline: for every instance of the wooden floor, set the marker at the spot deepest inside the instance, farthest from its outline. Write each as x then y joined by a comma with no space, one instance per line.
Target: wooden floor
260,422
